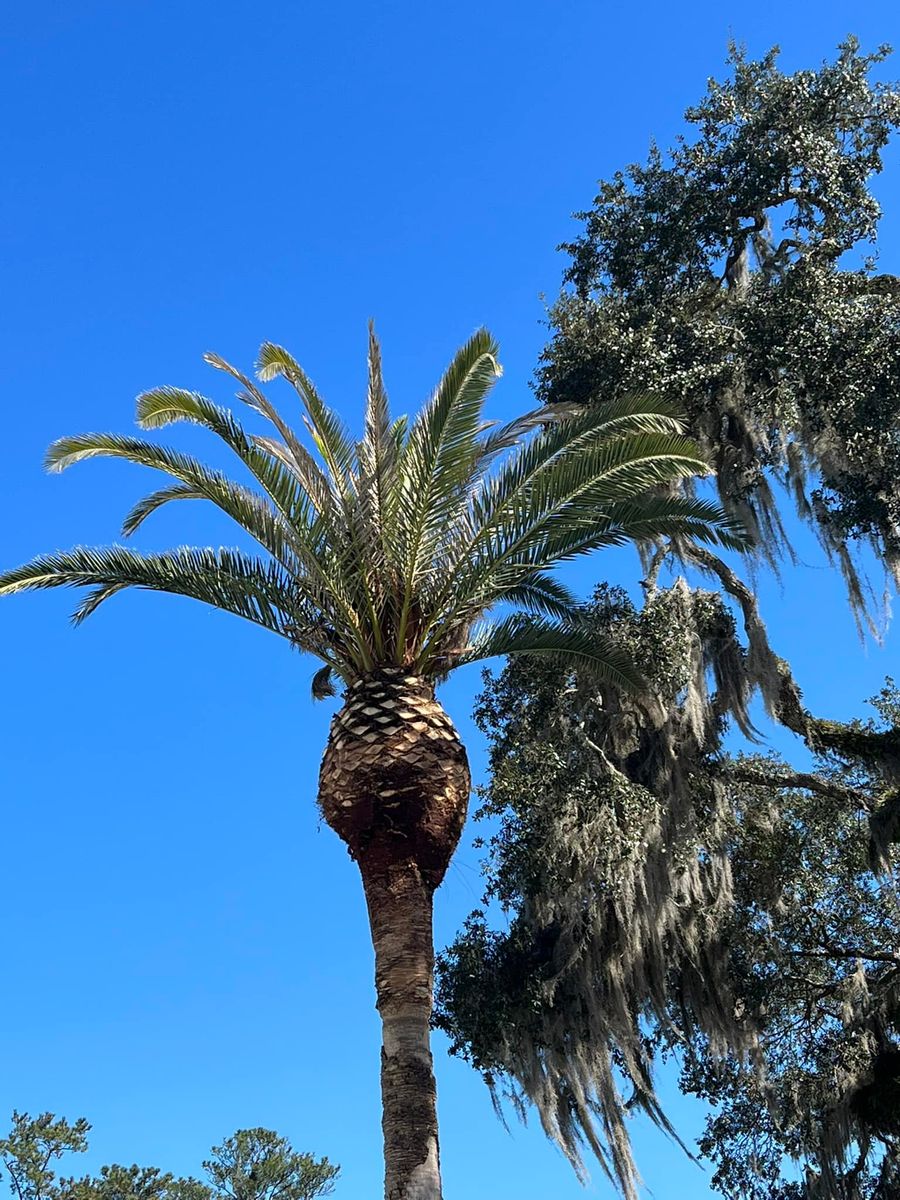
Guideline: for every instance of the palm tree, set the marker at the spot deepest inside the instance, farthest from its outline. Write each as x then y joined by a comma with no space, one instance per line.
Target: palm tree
382,558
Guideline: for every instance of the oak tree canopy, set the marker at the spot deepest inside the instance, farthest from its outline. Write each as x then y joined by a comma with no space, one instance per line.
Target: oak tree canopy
668,885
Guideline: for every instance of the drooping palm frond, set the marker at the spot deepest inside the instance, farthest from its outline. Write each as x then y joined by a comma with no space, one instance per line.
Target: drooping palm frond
392,550
245,507
258,591
545,596
574,645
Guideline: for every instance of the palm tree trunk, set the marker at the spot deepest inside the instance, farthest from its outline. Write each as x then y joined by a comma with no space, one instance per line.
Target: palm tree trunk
394,785
400,909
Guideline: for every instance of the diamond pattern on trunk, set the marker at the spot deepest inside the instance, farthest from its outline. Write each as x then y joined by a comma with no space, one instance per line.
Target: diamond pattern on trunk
395,779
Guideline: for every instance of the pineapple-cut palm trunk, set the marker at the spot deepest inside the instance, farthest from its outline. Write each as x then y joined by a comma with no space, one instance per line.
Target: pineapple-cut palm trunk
395,785
400,905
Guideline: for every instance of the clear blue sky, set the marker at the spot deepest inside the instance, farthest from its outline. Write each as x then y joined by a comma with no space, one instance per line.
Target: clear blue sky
184,948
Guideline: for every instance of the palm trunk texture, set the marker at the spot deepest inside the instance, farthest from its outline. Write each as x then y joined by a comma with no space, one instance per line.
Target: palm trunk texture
395,786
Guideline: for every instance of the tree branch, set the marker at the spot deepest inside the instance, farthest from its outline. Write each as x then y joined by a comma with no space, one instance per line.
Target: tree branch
780,691
849,952
742,773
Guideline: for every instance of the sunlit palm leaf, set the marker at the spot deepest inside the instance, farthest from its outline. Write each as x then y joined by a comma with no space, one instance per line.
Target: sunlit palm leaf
290,450
572,646
167,405
199,482
329,433
258,591
392,550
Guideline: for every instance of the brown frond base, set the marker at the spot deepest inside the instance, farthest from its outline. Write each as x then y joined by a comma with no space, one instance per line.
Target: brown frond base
394,782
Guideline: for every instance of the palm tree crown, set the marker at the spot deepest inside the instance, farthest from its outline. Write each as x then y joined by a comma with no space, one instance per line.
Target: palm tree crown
390,551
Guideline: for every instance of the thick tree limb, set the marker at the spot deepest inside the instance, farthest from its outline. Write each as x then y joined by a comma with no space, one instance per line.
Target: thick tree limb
742,773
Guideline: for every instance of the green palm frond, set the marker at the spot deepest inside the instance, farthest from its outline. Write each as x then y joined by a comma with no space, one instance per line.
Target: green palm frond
540,593
146,507
641,519
258,591
440,450
196,481
392,550
326,428
167,405
377,455
572,646
290,451
436,464
301,464
504,437
540,511
644,412
163,406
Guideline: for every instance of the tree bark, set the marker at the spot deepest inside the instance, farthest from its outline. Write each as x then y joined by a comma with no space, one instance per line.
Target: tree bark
400,918
394,785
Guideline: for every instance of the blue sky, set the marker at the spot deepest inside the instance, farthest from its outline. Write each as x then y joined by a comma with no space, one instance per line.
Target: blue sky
185,949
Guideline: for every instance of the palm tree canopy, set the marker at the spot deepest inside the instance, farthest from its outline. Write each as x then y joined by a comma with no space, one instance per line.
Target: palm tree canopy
392,550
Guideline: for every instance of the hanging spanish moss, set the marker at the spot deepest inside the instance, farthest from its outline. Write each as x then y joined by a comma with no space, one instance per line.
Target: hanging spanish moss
608,852
735,276
613,860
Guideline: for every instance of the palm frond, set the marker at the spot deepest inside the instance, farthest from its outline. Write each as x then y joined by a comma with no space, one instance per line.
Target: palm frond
350,548
513,433
301,464
638,520
303,547
149,504
566,492
164,406
196,481
377,456
326,428
537,484
398,431
257,591
441,448
290,451
538,593
637,412
436,464
574,646
607,437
